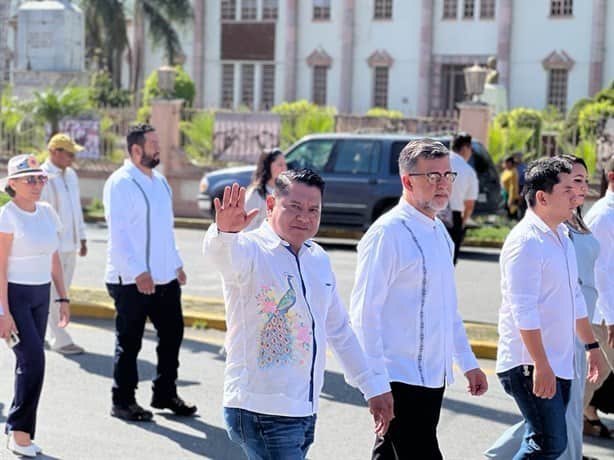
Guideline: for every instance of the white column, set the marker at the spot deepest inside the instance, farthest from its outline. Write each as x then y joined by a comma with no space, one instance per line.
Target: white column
291,61
426,57
347,58
595,79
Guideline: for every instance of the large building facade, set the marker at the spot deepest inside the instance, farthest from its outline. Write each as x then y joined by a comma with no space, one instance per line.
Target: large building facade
406,55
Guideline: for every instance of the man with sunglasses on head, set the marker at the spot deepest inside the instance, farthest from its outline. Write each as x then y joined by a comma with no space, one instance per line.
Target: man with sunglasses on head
62,193
404,307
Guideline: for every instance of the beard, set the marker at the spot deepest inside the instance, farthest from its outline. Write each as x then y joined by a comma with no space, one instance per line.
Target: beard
149,161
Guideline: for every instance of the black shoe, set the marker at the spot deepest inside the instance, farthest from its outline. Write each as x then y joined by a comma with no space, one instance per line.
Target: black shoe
132,412
176,404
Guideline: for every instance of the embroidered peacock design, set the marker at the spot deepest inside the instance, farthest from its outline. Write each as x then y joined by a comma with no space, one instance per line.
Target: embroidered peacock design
276,336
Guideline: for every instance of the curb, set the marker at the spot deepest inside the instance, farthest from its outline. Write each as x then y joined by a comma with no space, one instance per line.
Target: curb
325,232
484,349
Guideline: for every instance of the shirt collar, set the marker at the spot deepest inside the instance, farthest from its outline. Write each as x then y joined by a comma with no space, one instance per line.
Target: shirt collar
272,240
51,168
411,212
537,221
136,172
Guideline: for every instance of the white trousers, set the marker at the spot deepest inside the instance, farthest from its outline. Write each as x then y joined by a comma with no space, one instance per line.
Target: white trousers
56,336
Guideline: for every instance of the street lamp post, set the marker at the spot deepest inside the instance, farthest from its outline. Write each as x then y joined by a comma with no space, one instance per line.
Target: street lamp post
475,78
166,81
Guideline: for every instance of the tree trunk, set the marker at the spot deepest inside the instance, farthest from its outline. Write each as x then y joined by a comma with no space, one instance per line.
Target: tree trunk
138,51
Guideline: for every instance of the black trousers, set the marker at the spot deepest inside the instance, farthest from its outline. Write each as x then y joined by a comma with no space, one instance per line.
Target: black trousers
29,306
457,232
413,431
163,308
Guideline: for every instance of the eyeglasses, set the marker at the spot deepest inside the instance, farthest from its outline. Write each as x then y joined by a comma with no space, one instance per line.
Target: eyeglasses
436,177
33,180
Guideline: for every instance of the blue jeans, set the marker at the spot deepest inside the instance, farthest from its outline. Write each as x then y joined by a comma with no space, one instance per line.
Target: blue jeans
270,437
545,435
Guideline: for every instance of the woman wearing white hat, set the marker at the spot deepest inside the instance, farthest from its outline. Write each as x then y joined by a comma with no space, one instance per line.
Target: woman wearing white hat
29,261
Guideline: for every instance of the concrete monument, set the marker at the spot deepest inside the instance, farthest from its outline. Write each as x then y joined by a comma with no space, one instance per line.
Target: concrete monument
495,94
50,46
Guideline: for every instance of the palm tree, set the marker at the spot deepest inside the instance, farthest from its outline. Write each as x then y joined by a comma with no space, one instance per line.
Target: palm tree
106,39
160,16
51,106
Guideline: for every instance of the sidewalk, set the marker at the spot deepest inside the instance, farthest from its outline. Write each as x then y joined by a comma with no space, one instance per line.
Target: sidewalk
202,312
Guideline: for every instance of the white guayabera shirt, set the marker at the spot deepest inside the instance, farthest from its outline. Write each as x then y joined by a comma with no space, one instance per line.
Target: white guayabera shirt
600,219
404,306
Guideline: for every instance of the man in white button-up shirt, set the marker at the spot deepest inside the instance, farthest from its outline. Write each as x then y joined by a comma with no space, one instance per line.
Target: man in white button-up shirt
282,308
404,307
600,219
464,191
143,275
62,192
542,310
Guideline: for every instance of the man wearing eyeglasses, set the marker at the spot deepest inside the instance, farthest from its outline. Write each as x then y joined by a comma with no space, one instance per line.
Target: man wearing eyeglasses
404,307
62,193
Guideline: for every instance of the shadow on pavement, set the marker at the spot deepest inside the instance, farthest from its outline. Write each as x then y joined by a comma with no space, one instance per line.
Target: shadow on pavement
479,256
335,389
215,443
462,407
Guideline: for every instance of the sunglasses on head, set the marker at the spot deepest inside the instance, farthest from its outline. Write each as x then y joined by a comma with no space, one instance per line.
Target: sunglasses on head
33,180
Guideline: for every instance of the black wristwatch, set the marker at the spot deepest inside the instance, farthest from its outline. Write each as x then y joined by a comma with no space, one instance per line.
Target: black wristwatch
591,346
62,300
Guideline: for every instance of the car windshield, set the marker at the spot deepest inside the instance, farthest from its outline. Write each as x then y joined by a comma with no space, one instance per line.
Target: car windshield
313,154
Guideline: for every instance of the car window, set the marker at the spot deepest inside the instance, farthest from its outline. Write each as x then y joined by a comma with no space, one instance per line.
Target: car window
478,160
313,154
356,156
395,151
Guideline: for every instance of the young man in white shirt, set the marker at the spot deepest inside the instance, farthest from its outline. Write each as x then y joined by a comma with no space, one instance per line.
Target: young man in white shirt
542,310
282,308
62,192
144,275
600,220
404,307
464,191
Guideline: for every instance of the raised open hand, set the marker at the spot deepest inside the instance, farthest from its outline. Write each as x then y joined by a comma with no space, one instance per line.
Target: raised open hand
230,215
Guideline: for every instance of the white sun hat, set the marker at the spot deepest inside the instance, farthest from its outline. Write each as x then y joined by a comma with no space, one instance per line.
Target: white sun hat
21,166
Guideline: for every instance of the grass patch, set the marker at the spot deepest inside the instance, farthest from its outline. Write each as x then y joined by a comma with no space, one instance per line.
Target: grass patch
488,233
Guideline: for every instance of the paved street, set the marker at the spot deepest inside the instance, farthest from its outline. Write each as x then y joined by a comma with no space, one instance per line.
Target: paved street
74,423
477,272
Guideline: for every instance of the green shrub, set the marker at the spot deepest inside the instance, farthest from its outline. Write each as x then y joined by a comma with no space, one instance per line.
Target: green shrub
587,150
199,134
184,87
4,198
384,113
591,116
103,94
301,118
530,119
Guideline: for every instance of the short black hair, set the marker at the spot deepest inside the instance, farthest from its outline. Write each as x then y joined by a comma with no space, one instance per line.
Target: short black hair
460,140
9,191
299,176
543,175
136,135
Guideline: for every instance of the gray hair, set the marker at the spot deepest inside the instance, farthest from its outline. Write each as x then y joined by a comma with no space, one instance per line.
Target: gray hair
421,148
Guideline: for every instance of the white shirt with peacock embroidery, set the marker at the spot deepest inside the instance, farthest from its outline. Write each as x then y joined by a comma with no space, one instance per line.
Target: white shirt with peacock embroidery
281,311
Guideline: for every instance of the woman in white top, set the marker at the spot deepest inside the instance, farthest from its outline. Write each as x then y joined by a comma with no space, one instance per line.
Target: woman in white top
270,165
29,239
